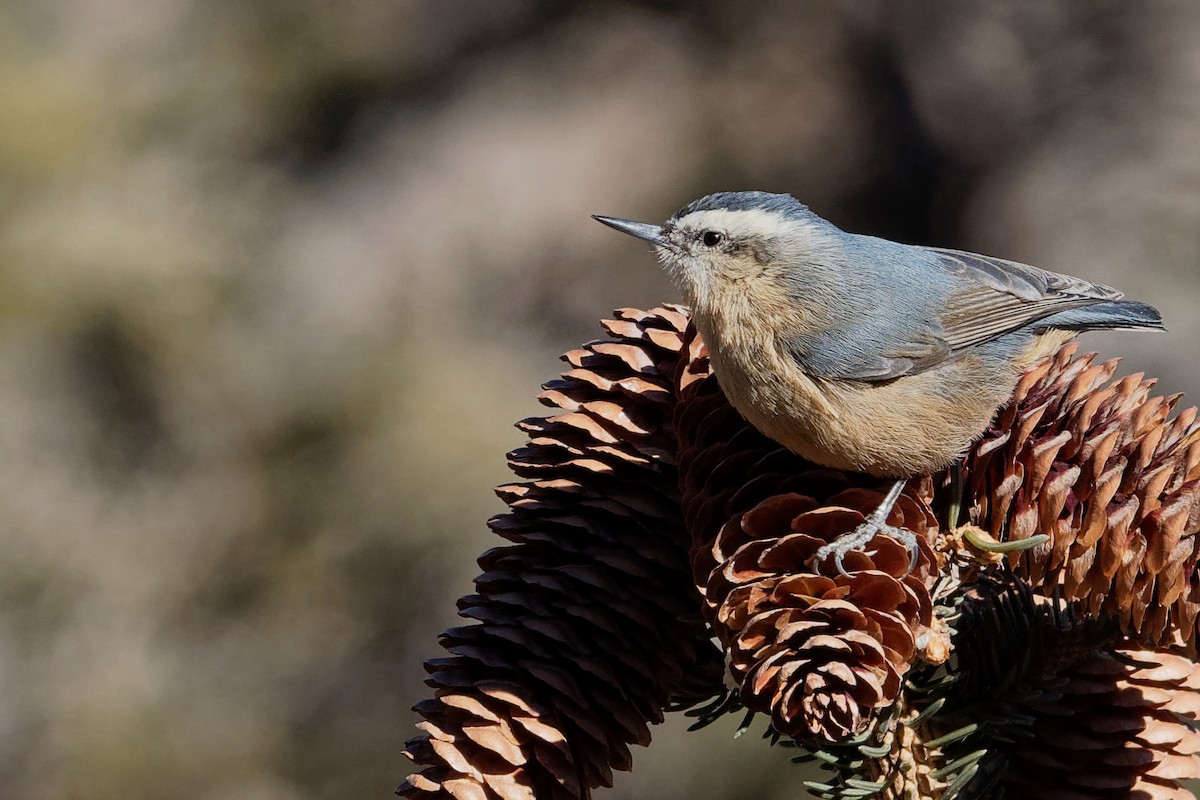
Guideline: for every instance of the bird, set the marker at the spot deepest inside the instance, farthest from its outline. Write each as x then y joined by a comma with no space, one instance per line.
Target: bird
863,354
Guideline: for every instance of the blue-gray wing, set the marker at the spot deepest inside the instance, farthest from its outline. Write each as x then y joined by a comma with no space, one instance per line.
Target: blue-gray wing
989,297
998,297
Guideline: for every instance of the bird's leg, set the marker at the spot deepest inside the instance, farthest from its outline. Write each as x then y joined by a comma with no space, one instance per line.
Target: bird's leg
876,523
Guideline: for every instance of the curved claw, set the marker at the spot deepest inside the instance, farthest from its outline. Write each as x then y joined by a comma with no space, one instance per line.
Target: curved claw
854,540
838,549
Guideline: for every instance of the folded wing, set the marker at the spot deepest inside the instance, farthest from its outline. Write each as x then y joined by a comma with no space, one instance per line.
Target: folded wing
991,297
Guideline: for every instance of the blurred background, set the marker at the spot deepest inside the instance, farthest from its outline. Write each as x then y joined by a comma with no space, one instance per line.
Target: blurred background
276,277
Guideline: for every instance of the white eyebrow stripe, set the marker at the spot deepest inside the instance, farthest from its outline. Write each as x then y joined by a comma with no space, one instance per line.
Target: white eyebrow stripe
756,221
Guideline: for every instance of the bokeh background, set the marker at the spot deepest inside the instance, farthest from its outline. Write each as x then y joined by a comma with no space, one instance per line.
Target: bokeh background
276,277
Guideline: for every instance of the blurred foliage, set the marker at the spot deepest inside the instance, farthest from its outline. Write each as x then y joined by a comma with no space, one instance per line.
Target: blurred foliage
276,277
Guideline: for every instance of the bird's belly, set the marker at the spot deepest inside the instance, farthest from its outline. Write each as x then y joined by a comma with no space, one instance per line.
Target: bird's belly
910,426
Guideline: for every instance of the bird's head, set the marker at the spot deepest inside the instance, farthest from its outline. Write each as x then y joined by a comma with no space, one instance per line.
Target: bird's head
730,241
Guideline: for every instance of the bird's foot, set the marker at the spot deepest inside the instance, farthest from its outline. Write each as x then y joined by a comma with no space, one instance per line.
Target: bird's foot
860,536
871,527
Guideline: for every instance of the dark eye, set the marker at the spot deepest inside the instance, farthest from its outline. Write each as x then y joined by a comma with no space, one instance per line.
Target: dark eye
712,238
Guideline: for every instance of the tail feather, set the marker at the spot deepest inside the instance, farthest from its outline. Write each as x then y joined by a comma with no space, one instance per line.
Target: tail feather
1115,315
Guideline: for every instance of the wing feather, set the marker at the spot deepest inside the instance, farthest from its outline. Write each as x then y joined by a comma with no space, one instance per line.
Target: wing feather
1011,277
1001,296
992,297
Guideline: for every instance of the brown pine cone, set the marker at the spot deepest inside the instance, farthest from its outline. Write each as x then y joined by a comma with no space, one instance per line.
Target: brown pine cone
1119,724
588,626
1046,701
816,650
1100,468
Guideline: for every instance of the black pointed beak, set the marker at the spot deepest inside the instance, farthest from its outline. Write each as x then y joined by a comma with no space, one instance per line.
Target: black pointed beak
642,230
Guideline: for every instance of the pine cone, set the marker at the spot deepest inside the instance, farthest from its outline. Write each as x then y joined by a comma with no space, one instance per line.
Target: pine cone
1120,728
587,627
1099,467
819,651
1049,702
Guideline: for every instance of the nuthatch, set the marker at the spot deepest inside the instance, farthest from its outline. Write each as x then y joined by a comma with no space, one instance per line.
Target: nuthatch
859,353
